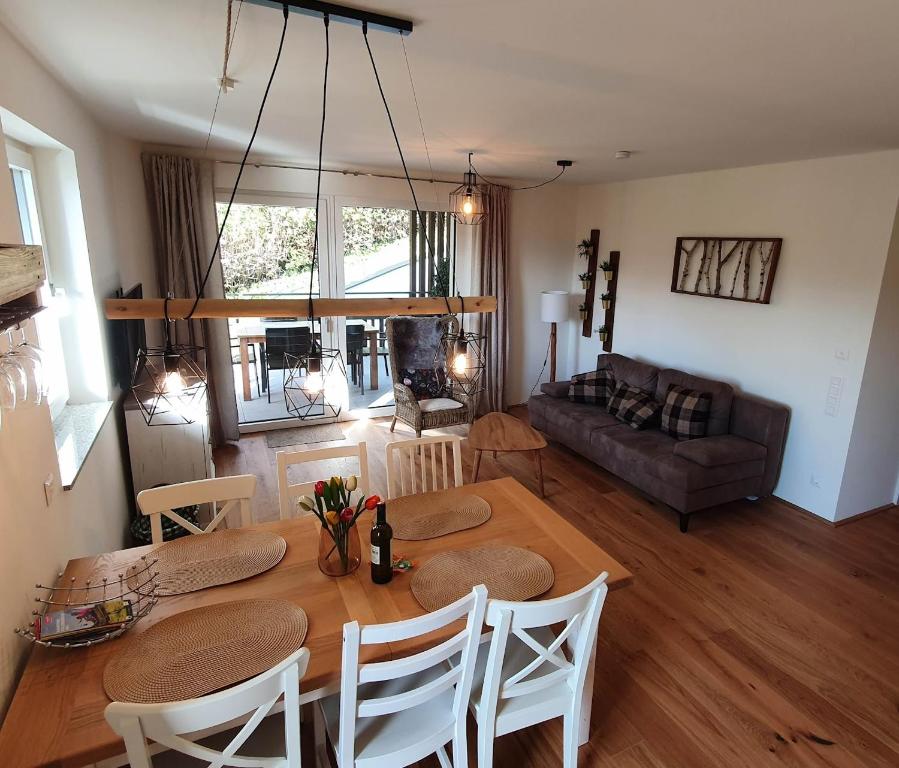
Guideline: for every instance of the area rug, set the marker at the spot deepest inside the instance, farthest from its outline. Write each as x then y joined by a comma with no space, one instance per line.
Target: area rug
314,433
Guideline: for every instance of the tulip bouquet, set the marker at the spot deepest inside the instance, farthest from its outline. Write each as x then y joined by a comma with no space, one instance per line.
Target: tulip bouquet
333,505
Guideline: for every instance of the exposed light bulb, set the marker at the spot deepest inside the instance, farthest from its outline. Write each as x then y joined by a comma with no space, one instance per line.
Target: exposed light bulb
467,206
173,384
314,382
460,363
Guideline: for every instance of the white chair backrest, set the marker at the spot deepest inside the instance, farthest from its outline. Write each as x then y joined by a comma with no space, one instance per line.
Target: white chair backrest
167,723
288,493
235,491
404,478
464,642
580,611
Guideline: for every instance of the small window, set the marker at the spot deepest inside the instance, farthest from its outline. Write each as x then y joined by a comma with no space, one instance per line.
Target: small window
21,166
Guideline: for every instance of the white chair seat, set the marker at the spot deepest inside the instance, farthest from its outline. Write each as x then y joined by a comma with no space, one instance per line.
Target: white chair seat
513,712
377,737
438,404
266,741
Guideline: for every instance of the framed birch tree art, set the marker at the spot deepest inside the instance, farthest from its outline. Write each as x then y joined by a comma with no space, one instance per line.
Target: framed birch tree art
735,268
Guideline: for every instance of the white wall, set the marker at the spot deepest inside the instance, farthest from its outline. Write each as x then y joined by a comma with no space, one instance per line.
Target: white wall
542,244
36,540
872,465
836,217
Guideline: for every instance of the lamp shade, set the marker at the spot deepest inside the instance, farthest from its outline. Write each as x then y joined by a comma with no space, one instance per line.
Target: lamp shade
554,306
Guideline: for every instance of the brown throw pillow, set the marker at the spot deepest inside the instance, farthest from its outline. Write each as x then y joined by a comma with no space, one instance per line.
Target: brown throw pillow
592,387
685,414
634,407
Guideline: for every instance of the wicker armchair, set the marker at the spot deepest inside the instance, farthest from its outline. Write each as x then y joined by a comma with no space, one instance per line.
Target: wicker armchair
413,343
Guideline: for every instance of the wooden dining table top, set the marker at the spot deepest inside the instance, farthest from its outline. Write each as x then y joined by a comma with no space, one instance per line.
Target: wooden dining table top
56,716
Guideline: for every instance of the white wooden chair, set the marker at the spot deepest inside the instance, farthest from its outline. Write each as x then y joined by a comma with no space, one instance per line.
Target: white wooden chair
393,713
531,675
235,491
178,725
288,493
401,460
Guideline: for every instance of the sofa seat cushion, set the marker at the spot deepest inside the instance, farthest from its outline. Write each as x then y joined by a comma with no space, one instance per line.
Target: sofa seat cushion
722,396
720,450
555,388
572,423
635,455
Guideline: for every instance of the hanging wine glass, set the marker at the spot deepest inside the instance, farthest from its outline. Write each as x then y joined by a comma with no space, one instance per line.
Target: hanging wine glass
34,351
17,376
7,391
30,360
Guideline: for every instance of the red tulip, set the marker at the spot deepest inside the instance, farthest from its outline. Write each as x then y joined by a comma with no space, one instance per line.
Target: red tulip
320,488
347,514
372,501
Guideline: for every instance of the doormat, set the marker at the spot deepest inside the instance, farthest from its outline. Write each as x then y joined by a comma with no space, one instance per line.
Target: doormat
314,433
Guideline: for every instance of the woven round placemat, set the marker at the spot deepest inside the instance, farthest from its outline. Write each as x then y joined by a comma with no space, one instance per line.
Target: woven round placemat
414,518
509,573
204,650
209,559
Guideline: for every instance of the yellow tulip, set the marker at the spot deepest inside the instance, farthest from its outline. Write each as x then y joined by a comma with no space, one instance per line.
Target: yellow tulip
351,483
332,517
338,481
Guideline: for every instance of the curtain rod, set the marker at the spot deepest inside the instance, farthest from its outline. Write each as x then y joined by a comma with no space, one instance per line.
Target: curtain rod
342,171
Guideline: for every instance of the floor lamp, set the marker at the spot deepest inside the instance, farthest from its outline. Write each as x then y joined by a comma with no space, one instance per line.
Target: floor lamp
553,310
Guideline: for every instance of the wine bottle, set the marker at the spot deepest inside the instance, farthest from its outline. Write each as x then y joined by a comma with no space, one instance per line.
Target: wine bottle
381,556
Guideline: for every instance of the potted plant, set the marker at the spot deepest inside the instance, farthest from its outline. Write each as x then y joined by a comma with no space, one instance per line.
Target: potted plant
606,300
585,278
603,333
607,269
582,310
339,550
584,249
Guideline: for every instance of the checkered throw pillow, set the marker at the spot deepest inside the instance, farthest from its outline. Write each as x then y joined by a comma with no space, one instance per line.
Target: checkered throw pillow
592,387
685,414
634,406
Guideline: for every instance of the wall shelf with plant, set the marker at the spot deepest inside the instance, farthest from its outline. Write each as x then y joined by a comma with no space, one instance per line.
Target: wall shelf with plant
608,299
589,250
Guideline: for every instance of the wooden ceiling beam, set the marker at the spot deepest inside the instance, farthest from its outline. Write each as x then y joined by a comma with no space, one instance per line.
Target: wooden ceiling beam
153,309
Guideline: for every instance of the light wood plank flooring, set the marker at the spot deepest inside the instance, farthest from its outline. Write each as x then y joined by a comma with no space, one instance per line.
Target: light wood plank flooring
762,637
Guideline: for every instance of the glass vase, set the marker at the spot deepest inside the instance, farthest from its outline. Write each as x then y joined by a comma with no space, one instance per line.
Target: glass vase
339,552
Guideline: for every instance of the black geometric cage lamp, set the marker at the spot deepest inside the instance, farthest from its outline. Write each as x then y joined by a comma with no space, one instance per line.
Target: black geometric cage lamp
461,359
169,384
316,384
468,202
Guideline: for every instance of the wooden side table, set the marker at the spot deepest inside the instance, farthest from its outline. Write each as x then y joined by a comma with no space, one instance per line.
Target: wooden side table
501,432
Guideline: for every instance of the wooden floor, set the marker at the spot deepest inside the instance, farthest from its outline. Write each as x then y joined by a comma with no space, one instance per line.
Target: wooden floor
761,637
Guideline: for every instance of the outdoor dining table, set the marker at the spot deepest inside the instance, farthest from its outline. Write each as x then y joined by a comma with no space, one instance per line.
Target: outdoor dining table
254,333
56,716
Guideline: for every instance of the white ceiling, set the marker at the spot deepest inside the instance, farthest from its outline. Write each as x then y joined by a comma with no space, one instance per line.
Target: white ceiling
687,84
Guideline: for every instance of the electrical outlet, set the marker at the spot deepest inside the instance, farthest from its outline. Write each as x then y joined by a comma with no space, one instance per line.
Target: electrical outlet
814,480
49,489
841,353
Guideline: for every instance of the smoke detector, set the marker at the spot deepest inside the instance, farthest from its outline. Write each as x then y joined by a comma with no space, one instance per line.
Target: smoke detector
623,154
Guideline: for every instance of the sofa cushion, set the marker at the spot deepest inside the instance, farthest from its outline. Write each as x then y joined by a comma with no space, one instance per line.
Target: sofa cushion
636,455
592,387
639,375
685,413
555,388
571,423
635,407
719,450
722,396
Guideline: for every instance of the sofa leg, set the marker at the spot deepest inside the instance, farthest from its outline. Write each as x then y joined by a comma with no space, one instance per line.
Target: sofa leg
684,521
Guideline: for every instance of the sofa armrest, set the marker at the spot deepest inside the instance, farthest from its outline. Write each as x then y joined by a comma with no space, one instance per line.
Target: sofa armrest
557,389
765,423
720,449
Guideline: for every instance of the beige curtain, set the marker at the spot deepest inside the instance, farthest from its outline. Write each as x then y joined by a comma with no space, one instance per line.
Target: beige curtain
492,279
181,195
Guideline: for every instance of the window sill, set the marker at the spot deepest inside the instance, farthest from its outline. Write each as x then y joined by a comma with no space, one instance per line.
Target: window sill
76,430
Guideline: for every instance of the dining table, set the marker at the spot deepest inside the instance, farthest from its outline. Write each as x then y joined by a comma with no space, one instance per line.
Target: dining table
253,332
56,715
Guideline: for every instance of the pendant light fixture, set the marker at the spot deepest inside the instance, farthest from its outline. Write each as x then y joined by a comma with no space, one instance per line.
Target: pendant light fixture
316,384
168,383
468,202
461,358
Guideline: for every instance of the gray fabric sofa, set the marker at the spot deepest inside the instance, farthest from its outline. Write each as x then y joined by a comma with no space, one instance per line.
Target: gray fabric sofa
739,457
